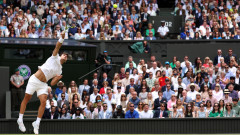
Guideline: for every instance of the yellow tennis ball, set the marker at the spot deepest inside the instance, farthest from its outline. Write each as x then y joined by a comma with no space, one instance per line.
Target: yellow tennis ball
114,5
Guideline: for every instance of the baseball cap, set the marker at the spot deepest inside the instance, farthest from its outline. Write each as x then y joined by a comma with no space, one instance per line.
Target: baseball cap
166,63
119,107
78,109
16,70
104,51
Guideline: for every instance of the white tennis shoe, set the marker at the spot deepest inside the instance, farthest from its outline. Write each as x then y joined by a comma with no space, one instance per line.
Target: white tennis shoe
35,127
21,126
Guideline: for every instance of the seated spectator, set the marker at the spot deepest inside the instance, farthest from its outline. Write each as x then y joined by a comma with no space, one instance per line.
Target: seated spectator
229,112
72,30
135,100
217,36
92,114
150,29
64,114
163,30
63,101
78,114
201,113
146,113
216,111
127,37
236,107
174,113
50,99
190,111
119,113
116,37
139,36
64,89
79,35
51,113
162,113
132,113
105,114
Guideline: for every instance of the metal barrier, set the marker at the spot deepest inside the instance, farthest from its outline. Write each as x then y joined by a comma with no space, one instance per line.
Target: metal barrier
127,126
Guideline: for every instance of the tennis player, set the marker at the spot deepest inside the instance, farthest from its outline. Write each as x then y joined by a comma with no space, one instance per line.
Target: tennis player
51,69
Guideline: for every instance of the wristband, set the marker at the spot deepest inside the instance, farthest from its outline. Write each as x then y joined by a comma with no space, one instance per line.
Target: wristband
61,40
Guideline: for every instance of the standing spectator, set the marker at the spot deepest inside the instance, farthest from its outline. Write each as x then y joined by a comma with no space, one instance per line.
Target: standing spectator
132,113
17,91
163,30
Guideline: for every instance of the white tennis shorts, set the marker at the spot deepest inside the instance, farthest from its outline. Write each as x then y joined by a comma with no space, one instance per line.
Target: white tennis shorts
34,84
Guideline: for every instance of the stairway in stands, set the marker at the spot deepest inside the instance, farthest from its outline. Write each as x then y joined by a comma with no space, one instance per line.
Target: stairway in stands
27,114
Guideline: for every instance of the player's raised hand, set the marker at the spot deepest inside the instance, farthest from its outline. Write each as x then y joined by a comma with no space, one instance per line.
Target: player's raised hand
58,77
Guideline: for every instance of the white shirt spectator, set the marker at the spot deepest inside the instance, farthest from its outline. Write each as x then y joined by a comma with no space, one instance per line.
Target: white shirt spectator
93,97
204,30
155,95
151,12
154,71
192,95
135,77
174,80
148,114
175,87
218,95
163,30
48,106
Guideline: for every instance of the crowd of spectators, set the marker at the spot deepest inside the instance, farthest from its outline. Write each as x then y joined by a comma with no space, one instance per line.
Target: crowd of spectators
82,19
199,89
209,19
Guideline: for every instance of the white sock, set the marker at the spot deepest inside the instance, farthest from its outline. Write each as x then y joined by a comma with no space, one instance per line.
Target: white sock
20,117
38,120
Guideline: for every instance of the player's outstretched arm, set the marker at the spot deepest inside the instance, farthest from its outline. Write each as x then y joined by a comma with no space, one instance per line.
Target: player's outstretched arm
59,44
55,80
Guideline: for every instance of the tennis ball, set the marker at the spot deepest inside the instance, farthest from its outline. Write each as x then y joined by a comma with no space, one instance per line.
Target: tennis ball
114,5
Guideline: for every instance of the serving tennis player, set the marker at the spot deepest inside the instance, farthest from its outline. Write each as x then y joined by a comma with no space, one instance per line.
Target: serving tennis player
51,69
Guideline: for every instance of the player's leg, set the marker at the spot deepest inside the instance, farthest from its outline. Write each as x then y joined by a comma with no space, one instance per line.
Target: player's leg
22,110
30,89
35,124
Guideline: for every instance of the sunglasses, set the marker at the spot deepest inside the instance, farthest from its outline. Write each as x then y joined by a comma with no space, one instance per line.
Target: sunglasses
63,96
174,107
140,104
189,106
228,105
75,102
162,106
131,106
104,106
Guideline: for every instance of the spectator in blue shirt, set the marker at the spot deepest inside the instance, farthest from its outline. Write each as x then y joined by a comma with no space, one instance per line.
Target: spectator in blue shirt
132,113
135,100
168,93
58,90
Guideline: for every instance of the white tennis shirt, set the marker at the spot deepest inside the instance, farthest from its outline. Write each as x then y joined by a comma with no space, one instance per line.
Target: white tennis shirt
51,67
